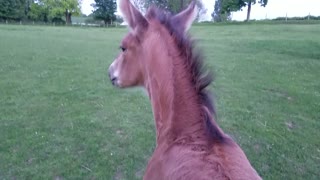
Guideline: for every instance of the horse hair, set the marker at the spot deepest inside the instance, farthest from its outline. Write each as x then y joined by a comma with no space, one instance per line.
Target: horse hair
201,76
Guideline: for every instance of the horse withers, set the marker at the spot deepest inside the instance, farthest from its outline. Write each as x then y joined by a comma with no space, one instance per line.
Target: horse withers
159,55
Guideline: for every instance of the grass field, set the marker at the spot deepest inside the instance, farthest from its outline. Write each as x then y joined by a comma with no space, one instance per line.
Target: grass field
60,118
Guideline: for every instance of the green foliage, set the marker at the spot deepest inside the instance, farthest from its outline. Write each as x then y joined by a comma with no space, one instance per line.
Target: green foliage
58,20
38,12
231,5
236,5
223,8
219,14
60,8
104,10
12,9
216,14
261,2
249,3
297,18
173,6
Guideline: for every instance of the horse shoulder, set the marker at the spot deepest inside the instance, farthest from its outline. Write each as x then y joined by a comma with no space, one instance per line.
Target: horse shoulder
180,162
233,160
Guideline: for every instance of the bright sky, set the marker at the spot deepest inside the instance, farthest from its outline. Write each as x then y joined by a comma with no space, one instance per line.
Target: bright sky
274,8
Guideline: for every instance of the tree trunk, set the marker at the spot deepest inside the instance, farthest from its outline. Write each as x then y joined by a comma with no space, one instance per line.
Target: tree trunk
68,17
249,11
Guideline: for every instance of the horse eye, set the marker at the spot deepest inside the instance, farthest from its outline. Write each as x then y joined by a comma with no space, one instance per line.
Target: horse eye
123,48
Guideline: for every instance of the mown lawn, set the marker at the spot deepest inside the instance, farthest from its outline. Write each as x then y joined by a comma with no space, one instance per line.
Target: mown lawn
60,118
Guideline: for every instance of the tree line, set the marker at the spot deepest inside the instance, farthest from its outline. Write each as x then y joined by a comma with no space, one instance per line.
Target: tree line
61,11
39,10
223,8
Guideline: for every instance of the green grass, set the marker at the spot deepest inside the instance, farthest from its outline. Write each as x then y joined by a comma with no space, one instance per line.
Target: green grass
60,118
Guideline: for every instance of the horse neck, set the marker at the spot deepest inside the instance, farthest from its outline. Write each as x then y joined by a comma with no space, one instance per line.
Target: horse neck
174,102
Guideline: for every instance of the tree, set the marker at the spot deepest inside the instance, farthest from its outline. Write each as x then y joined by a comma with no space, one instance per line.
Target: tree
12,9
71,7
38,12
174,6
217,13
223,9
202,10
228,6
56,9
66,8
27,7
104,10
252,2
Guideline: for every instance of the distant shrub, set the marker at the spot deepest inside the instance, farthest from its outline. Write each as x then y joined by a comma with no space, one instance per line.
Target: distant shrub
297,18
58,21
91,20
119,19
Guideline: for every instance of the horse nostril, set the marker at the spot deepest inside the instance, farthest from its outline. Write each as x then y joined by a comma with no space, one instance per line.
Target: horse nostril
113,80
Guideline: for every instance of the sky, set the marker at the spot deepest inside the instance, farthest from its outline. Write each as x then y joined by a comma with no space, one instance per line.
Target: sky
274,8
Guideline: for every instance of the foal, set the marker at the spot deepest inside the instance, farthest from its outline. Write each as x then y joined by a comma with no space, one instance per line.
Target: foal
158,54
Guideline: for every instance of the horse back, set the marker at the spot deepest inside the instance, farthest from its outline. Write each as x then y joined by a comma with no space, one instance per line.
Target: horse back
220,161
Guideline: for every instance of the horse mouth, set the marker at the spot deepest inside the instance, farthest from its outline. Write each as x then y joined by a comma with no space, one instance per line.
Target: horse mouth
113,79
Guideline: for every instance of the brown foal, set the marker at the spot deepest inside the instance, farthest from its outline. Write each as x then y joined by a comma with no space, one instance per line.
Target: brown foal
158,55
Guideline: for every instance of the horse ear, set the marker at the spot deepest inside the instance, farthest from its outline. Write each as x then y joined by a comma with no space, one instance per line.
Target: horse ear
132,16
185,18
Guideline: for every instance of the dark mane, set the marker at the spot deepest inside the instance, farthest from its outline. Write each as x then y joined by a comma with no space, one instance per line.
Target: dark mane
201,77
